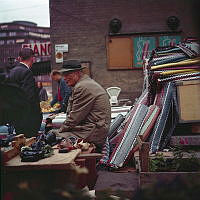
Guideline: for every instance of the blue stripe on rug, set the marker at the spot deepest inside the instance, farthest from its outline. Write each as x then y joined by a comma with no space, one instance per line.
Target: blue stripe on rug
128,140
160,123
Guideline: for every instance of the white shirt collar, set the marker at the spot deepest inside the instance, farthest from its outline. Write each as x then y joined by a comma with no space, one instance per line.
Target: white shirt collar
25,65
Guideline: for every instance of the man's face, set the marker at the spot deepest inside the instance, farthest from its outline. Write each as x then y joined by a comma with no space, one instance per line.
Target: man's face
71,78
56,77
32,60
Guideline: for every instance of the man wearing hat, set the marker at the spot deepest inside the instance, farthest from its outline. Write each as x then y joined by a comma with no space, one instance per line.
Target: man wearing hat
89,108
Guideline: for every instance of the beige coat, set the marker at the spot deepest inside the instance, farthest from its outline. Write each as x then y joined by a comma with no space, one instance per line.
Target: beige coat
89,112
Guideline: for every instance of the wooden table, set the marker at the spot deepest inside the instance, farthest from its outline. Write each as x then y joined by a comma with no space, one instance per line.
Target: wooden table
88,159
61,161
53,172
46,174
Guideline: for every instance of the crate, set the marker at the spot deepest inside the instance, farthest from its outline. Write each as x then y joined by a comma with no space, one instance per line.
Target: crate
147,178
188,95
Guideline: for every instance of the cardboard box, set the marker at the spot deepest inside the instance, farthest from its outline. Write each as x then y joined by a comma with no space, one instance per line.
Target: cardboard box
195,128
188,95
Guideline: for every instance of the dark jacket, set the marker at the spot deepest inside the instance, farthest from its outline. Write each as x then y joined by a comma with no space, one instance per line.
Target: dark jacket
43,94
65,92
23,77
26,117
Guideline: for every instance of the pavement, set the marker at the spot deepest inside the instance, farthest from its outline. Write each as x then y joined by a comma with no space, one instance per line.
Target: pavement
124,183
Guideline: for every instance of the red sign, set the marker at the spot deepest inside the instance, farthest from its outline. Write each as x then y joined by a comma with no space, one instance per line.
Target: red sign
40,49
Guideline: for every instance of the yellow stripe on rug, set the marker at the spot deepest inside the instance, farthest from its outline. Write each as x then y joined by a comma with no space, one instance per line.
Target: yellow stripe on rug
181,63
182,71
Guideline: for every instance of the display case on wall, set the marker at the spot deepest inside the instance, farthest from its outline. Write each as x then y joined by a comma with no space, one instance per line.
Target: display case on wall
127,51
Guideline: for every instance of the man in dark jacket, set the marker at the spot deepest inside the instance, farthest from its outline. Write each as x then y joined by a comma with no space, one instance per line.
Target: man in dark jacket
63,91
42,92
26,114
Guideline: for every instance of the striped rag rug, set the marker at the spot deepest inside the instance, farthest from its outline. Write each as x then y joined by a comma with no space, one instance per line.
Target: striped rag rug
168,101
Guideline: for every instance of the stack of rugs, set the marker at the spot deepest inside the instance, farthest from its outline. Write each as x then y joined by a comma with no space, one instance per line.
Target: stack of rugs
155,114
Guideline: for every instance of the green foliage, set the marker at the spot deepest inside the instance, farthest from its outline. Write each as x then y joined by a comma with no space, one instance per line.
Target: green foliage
184,160
159,163
180,163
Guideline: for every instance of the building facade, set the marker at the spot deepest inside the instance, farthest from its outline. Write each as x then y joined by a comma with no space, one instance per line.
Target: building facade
18,34
110,35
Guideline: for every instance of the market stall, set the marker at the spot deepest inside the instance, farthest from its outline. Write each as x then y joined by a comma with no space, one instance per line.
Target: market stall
171,88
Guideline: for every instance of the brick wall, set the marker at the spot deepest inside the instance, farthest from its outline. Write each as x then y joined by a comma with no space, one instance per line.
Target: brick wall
83,24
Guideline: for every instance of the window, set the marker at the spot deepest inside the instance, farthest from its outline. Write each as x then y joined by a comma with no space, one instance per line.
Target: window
12,33
40,30
127,52
4,26
3,34
25,33
21,27
10,41
34,34
45,36
2,42
31,41
19,40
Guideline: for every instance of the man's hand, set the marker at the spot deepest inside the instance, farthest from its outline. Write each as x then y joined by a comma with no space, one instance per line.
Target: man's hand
64,128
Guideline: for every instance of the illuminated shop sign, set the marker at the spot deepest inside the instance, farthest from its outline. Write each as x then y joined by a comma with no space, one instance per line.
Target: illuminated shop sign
40,49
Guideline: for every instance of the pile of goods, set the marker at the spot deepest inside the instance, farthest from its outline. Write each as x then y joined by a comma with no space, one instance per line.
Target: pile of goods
46,108
155,114
41,148
72,143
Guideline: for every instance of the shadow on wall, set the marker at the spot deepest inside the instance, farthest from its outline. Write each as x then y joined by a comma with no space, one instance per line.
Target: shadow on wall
196,14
